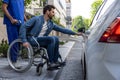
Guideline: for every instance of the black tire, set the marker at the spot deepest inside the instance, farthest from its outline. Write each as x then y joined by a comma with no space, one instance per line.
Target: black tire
83,63
84,69
44,56
24,56
39,69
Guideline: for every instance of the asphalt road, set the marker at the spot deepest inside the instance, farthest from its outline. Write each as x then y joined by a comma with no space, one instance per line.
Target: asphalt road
73,68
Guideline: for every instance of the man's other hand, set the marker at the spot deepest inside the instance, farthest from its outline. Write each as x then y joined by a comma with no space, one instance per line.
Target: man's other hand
26,44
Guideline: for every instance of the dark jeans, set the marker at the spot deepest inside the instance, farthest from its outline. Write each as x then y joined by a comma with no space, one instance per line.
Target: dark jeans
52,45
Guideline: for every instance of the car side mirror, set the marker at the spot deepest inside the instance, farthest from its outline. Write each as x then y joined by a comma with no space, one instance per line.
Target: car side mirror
87,32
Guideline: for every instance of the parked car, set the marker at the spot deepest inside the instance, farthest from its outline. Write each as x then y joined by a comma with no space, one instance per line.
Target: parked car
101,58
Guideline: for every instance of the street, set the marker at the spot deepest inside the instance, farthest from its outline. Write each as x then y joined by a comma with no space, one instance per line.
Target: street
73,68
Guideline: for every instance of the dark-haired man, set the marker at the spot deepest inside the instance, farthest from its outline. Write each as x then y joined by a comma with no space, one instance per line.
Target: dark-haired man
41,27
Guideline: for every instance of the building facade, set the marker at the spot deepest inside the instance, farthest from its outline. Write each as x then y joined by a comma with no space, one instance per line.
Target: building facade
68,14
60,10
36,8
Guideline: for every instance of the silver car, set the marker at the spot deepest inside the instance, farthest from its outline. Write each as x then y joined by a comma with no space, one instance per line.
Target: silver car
101,58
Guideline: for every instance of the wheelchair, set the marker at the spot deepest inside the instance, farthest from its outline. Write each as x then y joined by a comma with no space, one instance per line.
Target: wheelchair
26,57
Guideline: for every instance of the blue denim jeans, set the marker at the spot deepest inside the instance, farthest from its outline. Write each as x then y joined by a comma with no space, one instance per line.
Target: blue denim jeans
52,45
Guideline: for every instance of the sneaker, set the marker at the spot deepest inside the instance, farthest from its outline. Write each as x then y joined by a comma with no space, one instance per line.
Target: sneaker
61,64
53,66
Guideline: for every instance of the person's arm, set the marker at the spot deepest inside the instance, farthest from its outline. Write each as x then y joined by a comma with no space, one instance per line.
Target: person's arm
4,8
64,30
23,28
79,34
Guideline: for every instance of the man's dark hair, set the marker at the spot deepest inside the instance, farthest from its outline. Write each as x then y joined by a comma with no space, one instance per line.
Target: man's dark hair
48,7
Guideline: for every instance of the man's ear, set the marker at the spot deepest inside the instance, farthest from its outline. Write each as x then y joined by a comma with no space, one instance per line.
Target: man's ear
48,11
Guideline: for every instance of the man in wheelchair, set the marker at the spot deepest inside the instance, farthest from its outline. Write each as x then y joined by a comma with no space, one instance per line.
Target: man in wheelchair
40,27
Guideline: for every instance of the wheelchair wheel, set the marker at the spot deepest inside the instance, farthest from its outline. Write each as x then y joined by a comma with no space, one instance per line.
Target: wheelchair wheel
23,56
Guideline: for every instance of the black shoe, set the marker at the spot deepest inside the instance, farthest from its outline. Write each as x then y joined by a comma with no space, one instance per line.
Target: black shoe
53,66
61,64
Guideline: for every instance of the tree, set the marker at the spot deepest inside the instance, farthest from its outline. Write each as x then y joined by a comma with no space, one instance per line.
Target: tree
79,22
57,21
27,2
1,13
87,23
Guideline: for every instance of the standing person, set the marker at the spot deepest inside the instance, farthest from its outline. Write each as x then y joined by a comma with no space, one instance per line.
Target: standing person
13,14
40,27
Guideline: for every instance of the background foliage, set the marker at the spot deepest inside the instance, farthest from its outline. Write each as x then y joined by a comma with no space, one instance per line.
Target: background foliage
80,21
27,2
57,21
3,48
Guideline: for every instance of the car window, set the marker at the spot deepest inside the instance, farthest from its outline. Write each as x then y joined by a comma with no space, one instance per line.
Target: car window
98,12
105,5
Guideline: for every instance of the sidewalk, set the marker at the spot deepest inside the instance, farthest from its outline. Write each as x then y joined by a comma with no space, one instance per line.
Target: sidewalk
6,73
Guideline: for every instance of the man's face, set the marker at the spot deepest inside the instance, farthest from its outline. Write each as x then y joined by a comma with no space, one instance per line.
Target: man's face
51,13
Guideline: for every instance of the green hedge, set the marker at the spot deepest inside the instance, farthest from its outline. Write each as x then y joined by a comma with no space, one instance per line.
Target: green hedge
3,48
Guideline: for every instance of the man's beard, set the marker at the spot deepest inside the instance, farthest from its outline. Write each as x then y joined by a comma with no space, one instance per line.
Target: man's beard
50,17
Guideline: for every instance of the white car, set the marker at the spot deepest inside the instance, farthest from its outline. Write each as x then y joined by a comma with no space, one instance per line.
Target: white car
101,58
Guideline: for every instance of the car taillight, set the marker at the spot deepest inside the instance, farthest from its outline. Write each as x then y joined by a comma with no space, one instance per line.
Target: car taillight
112,34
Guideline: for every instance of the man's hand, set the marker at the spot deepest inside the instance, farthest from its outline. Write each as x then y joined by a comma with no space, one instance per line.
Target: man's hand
26,44
79,33
14,21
